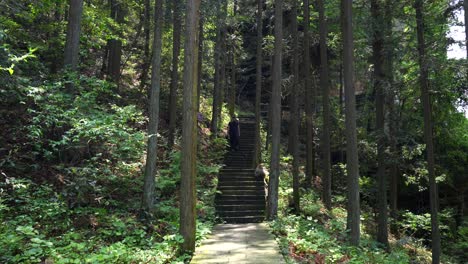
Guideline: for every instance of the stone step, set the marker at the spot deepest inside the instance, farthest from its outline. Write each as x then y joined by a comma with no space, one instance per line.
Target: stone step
240,207
240,198
239,153
240,163
237,172
239,156
238,160
240,213
235,182
241,192
238,203
249,185
239,176
241,188
248,177
241,166
243,220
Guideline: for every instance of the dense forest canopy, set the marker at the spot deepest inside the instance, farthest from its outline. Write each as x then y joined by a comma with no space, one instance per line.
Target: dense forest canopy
114,116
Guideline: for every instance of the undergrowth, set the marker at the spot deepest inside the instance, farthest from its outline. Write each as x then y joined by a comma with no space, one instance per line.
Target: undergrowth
71,190
317,235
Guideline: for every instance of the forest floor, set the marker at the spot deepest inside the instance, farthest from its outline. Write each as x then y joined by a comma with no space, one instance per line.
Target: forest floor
239,243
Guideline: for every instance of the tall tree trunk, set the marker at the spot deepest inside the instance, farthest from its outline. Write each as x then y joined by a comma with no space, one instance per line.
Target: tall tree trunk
115,45
276,115
146,48
341,108
352,162
324,83
55,39
217,77
232,90
177,25
392,119
151,158
258,83
427,108
200,59
379,78
465,7
188,167
224,59
308,99
72,44
295,110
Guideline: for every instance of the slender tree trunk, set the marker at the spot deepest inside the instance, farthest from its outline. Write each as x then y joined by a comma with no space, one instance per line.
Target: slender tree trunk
232,91
324,83
200,60
427,108
352,165
188,167
379,78
146,48
151,154
295,110
224,78
55,39
115,45
177,25
392,120
72,44
217,77
465,7
276,115
341,105
258,83
308,99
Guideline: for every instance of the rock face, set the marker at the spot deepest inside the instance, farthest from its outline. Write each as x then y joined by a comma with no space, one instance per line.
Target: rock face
241,197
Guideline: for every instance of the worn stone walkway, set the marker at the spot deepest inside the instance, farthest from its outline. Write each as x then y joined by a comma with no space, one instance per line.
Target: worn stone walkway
240,244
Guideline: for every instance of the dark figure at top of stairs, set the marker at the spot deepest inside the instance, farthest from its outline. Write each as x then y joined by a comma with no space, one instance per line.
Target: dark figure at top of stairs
234,133
241,197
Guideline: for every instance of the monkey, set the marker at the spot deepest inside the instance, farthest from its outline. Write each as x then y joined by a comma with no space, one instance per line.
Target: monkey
261,172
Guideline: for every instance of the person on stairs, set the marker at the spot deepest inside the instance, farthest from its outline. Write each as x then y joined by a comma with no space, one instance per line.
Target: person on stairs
234,133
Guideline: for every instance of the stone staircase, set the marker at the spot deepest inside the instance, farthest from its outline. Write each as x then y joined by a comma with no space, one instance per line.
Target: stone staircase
241,197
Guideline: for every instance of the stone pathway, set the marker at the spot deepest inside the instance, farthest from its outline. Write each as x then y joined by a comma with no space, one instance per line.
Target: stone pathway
239,244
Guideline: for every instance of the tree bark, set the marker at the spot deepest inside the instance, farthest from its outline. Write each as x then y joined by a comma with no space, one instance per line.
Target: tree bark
217,77
115,45
232,90
379,78
151,158
188,196
146,48
427,109
200,59
295,110
258,84
324,83
224,59
72,44
352,162
465,8
309,99
276,115
177,25
392,117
